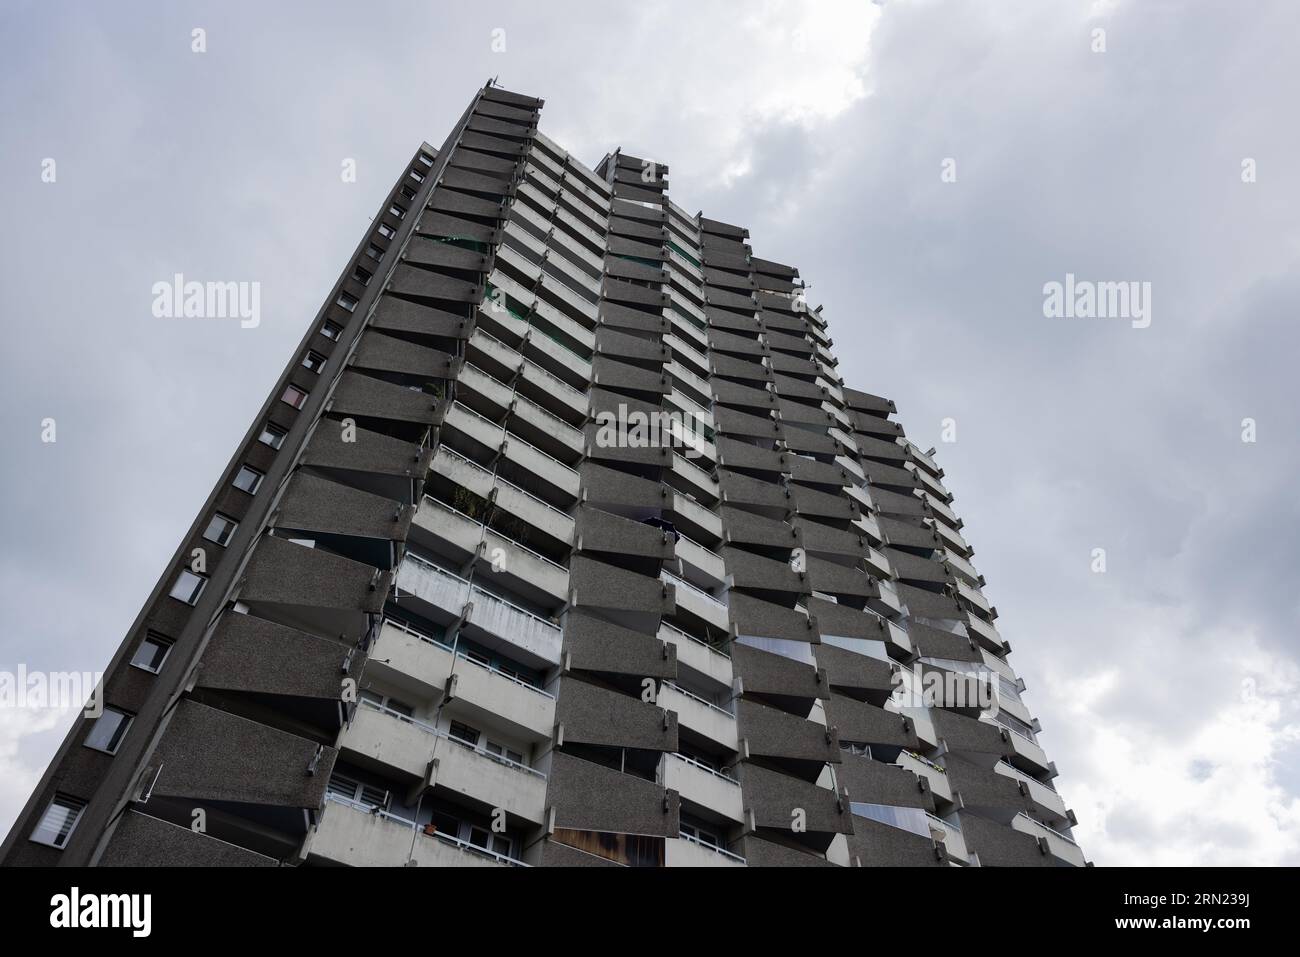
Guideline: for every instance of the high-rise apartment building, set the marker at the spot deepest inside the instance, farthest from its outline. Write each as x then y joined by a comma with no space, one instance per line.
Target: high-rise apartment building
558,542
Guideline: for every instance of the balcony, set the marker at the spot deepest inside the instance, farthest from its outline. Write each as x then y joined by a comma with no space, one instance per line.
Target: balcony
689,477
1044,795
358,835
487,695
699,564
530,638
383,736
703,786
950,836
697,602
699,656
973,597
690,514
700,716
541,515
535,424
952,539
689,851
550,391
1025,752
1061,847
933,773
546,468
985,634
961,566
410,661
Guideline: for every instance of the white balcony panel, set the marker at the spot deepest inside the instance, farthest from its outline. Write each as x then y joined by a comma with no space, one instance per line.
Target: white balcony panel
495,697
1063,848
696,602
701,658
704,787
684,852
494,782
701,717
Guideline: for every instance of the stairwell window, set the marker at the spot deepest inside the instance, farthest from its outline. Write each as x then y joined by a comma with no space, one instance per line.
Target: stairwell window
347,301
387,231
426,159
109,729
464,734
248,480
151,654
362,276
408,192
272,435
294,396
220,529
313,361
374,252
396,211
59,820
188,587
331,330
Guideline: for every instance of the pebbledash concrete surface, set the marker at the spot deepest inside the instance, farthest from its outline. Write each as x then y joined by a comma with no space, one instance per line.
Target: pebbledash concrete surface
559,541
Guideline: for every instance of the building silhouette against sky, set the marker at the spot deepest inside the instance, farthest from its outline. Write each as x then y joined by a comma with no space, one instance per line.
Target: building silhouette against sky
560,542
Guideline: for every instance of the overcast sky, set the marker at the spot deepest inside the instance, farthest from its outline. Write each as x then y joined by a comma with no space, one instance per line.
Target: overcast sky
1166,685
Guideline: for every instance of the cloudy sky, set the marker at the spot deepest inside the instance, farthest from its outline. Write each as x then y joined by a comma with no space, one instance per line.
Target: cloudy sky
1166,684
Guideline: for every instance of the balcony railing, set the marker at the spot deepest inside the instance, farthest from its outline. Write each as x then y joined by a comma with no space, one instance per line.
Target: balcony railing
407,822
407,629
1050,830
1027,778
447,736
500,481
704,767
696,698
493,669
711,847
691,638
674,580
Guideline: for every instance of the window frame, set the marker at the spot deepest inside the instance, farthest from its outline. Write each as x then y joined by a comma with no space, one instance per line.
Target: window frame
257,482
118,734
70,802
161,641
195,594
232,523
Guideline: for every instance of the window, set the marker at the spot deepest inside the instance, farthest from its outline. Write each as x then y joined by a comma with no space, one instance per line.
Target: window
188,587
109,729
272,435
496,843
396,211
331,330
152,652
362,276
353,790
502,751
384,701
347,301
294,396
416,175
248,480
374,252
408,192
426,159
58,821
313,361
464,734
387,231
220,529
